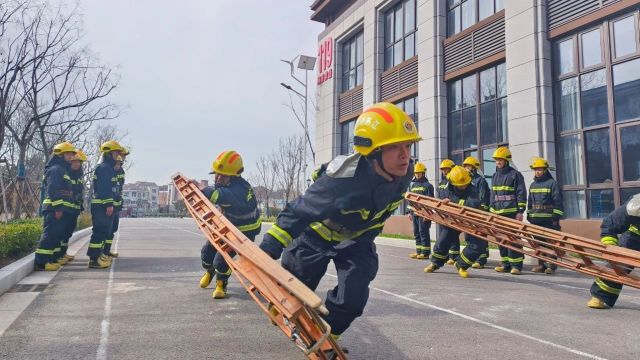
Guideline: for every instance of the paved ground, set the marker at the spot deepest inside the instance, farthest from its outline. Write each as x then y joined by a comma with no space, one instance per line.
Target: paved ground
149,306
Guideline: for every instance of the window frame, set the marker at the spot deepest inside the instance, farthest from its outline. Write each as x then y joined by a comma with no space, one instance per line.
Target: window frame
476,16
403,39
345,44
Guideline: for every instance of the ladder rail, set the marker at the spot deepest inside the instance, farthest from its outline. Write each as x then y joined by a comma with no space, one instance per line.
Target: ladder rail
573,252
266,282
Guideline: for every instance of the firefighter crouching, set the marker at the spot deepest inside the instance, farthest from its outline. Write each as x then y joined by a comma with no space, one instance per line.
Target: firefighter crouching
341,213
421,227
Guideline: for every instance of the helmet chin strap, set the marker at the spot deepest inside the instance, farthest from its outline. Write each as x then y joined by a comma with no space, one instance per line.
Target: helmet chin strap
378,166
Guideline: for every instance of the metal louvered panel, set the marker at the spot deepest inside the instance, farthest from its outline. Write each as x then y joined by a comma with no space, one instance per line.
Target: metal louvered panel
350,102
475,46
608,2
562,11
398,79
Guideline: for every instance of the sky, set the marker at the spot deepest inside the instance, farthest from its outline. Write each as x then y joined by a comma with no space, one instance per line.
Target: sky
201,76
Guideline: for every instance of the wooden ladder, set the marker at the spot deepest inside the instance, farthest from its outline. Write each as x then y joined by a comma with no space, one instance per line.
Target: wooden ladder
572,252
290,305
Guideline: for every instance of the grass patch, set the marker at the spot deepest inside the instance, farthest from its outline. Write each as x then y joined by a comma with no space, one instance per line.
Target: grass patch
397,236
19,238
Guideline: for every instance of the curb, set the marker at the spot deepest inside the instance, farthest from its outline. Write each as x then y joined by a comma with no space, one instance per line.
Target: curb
18,270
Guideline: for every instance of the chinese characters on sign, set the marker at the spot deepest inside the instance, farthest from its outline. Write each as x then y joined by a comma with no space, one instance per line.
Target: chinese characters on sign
325,55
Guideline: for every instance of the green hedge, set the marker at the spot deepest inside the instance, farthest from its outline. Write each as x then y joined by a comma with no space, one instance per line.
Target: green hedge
19,238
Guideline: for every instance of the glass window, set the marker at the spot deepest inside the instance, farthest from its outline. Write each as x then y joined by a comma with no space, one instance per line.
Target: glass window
410,46
627,193
499,5
575,205
453,21
567,109
488,131
457,158
468,13
630,143
398,29
400,33
352,62
485,8
346,137
488,164
598,156
624,37
455,96
488,85
469,128
591,49
600,202
593,97
388,28
626,88
410,16
571,161
469,91
502,120
455,130
564,57
501,80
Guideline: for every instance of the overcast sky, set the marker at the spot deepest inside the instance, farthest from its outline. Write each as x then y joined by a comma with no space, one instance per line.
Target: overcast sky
200,76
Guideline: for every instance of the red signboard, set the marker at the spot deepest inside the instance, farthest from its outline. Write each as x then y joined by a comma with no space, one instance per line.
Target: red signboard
325,56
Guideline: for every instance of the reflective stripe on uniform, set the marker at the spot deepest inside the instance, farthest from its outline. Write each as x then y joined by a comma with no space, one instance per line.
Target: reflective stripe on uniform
364,213
516,260
461,202
541,191
108,241
504,211
250,227
214,196
60,202
609,240
503,188
606,287
102,201
558,212
95,246
333,235
634,230
464,258
418,188
438,256
224,273
540,215
282,236
44,252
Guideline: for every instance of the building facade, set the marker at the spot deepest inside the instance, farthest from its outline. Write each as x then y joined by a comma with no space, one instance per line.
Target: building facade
550,78
140,198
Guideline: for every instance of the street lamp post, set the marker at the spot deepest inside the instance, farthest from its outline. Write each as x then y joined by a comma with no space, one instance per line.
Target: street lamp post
305,63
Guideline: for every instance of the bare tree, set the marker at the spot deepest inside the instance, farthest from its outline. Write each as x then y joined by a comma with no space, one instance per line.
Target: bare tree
288,163
265,179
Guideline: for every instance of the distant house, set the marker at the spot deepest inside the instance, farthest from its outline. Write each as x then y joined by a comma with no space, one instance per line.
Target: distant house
140,197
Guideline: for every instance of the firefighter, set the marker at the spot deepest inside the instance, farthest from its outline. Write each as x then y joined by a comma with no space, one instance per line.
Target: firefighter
620,228
462,192
421,227
105,192
509,199
71,221
544,205
478,181
340,214
57,206
117,205
234,196
445,167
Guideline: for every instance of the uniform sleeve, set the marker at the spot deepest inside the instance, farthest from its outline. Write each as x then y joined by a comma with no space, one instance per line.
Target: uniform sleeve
429,189
558,206
521,193
615,223
212,193
492,194
485,194
529,199
54,186
104,188
318,203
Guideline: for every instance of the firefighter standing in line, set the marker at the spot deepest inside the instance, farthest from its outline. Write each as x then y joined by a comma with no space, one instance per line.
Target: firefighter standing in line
105,192
478,181
461,192
544,205
509,199
421,185
340,214
71,221
117,204
445,167
620,228
235,198
57,205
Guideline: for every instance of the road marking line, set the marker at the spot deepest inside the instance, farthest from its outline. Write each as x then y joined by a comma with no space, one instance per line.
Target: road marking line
486,323
101,354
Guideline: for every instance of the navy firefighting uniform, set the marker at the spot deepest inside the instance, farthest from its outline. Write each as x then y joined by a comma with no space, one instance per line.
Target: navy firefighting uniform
238,204
544,206
337,219
475,247
105,192
620,221
508,198
480,183
58,193
117,208
71,221
454,250
421,226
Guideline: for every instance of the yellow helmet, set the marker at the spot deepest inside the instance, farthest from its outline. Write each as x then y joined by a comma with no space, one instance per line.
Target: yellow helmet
109,146
459,176
502,152
63,147
383,124
228,163
539,163
125,151
447,164
470,160
80,155
419,168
